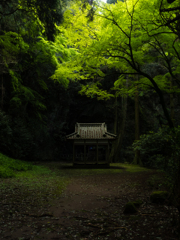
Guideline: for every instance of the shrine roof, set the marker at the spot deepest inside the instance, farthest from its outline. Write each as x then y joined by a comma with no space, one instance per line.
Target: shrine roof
91,131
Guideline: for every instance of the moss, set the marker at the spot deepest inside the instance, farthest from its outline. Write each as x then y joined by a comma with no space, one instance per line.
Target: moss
159,197
130,208
137,203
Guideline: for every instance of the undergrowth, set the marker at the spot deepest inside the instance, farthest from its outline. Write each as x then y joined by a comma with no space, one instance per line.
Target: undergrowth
20,169
9,166
30,178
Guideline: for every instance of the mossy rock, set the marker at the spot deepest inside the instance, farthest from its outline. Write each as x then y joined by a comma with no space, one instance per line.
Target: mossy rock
137,203
130,208
159,197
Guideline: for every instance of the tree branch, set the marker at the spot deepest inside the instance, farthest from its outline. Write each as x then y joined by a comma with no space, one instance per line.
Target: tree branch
169,9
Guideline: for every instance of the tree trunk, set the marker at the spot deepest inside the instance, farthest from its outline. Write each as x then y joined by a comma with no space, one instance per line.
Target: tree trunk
161,97
137,136
172,101
117,145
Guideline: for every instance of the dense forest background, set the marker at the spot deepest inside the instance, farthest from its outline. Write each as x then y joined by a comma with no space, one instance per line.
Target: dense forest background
64,62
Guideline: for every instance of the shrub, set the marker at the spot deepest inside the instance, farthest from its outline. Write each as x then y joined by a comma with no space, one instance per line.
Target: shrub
9,166
6,172
5,132
160,150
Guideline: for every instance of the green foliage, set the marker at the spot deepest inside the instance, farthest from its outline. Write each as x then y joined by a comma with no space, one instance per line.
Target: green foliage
156,181
5,130
31,178
9,166
152,144
22,140
16,137
93,90
27,66
34,105
31,15
134,168
24,49
141,39
161,150
6,172
111,1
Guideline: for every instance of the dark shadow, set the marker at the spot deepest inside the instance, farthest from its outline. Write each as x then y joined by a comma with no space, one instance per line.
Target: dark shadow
90,166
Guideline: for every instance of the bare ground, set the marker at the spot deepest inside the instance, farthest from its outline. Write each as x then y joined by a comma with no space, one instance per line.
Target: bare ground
91,207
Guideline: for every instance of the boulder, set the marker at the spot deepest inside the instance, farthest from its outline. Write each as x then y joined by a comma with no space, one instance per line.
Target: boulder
159,197
137,203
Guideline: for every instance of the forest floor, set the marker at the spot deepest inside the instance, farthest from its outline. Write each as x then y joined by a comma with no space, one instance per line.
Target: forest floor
90,207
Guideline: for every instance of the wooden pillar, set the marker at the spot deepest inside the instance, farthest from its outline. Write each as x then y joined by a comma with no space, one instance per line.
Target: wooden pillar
108,153
85,151
97,153
73,152
116,115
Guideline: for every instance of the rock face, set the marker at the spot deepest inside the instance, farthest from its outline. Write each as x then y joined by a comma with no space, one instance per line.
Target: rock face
159,197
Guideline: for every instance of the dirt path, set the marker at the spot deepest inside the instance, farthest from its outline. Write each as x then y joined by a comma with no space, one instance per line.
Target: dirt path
92,208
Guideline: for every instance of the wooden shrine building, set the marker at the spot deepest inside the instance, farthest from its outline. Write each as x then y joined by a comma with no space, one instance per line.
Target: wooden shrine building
91,143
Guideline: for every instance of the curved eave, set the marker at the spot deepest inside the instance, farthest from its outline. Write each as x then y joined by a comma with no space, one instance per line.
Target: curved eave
76,136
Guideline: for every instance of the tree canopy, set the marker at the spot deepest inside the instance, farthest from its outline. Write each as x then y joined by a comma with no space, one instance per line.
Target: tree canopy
127,36
31,49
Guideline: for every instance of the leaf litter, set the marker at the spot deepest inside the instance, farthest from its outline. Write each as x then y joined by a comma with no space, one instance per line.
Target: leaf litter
91,207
